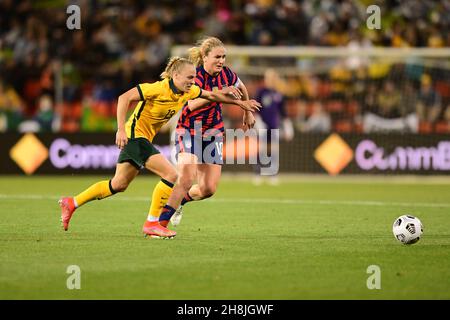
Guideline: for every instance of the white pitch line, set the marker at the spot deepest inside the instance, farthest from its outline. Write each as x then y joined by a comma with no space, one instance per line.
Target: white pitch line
256,200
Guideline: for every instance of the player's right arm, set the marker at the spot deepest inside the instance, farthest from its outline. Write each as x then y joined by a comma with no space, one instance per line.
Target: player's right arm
248,120
122,108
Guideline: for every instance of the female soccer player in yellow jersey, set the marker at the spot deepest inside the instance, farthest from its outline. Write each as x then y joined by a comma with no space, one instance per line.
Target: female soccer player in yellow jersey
159,101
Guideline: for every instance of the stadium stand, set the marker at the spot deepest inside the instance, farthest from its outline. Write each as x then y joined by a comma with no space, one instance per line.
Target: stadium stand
52,79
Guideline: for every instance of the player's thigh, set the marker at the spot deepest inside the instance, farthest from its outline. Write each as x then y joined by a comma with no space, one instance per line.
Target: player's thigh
159,165
208,176
125,173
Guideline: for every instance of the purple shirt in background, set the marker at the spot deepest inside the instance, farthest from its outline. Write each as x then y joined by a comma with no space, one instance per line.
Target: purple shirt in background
272,107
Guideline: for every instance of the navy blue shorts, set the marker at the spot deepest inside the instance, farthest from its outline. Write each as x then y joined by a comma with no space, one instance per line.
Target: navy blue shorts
207,149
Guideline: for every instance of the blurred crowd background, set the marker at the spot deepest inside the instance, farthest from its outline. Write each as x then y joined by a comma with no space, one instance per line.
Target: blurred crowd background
123,43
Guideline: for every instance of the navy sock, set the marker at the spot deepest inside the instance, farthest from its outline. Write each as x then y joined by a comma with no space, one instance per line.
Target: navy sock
186,198
167,213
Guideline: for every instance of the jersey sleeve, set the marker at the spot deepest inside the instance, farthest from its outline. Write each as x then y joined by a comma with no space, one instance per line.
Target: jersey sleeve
148,91
231,76
200,79
200,82
195,92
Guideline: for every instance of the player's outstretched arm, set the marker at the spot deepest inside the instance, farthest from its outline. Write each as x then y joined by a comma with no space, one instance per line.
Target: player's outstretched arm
232,91
248,120
122,108
249,105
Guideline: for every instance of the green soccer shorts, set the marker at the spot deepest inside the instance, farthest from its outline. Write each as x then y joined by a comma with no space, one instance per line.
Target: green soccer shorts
137,151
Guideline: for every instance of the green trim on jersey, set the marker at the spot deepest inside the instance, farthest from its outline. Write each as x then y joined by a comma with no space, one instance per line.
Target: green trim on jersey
140,92
136,118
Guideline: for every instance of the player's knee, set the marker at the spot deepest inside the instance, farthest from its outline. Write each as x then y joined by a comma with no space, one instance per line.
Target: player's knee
171,176
119,185
208,190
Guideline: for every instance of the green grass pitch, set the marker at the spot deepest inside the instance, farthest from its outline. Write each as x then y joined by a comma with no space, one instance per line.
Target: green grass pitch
307,238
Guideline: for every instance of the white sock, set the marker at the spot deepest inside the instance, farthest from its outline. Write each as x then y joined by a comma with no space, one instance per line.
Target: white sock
152,218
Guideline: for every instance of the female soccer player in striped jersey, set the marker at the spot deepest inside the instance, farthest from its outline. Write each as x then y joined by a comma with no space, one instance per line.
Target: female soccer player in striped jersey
200,153
158,102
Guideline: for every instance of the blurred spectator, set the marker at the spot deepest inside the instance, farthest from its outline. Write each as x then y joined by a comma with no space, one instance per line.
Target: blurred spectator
389,99
11,109
370,100
340,77
272,114
127,42
318,122
157,51
408,99
45,114
388,114
429,101
447,115
271,117
435,39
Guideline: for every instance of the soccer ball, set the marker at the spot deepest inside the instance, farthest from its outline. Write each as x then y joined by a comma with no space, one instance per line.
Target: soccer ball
407,229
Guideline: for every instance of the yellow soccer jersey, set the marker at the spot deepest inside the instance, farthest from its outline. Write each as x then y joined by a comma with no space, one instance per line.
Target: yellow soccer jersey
160,101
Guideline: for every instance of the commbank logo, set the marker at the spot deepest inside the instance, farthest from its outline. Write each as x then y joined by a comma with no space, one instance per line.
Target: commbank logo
334,154
29,153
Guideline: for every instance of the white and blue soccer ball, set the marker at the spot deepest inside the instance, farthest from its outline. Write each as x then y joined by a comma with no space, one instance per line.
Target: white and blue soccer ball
407,229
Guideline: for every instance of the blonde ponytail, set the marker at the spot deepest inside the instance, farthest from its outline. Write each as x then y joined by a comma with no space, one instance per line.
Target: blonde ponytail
202,48
174,65
195,56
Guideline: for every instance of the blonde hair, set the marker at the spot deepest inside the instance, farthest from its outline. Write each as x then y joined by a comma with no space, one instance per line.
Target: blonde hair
202,48
174,65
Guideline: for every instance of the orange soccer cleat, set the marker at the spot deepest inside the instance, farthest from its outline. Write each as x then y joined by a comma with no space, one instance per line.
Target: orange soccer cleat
155,230
67,209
